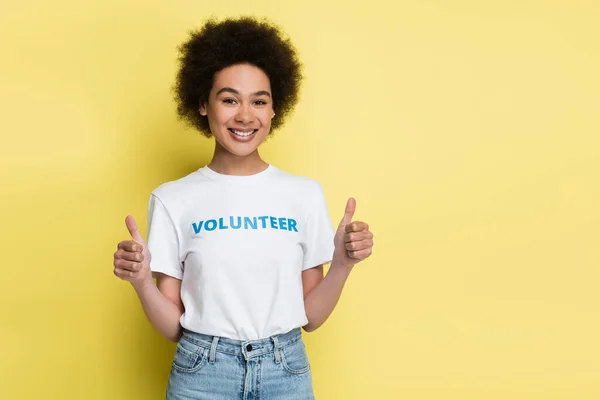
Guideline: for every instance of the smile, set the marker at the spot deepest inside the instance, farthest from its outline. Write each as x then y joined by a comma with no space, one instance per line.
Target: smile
242,133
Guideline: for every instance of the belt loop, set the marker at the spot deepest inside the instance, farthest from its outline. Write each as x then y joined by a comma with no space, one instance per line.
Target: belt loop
276,349
213,350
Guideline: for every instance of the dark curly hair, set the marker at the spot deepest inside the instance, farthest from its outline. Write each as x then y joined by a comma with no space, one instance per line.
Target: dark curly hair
218,45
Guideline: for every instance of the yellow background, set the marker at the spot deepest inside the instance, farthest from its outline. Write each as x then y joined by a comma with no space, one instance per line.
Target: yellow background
468,132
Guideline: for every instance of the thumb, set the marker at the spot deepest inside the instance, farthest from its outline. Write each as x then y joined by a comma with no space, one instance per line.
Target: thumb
133,229
349,213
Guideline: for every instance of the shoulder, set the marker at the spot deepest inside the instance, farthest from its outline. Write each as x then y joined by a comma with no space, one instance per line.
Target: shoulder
306,184
176,188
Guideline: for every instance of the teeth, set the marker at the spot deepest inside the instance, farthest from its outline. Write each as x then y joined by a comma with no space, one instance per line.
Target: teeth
243,134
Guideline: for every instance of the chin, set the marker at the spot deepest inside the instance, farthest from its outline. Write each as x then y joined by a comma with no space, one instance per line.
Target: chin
241,152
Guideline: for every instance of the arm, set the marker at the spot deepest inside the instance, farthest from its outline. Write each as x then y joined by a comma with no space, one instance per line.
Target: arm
322,294
162,304
353,242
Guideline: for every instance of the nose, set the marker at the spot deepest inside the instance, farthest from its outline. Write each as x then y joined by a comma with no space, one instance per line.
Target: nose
244,114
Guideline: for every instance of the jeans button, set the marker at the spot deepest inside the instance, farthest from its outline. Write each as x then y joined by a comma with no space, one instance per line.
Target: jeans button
249,347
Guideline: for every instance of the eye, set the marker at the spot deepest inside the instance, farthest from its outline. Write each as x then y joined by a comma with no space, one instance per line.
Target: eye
260,103
229,101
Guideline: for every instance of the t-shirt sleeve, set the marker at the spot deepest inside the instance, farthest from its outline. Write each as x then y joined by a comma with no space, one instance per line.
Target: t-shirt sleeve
318,242
163,241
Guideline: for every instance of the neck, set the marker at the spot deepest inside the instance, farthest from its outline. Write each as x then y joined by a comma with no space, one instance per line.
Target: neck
227,163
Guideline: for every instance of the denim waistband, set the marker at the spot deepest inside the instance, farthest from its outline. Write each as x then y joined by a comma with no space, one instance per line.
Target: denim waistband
247,348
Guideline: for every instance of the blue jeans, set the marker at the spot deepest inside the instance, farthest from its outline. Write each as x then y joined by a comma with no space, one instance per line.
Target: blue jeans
215,368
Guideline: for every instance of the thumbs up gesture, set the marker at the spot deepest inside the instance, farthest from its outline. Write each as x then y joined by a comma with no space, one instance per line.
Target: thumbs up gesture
132,258
353,241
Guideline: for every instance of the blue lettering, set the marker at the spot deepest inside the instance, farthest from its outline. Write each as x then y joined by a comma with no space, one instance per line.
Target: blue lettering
250,222
263,220
221,226
197,227
292,224
234,226
210,221
282,224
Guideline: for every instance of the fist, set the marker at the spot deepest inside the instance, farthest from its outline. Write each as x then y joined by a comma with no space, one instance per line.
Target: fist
132,258
353,241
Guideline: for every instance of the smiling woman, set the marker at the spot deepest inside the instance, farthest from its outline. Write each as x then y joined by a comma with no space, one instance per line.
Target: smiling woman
239,81
238,246
218,45
253,98
239,109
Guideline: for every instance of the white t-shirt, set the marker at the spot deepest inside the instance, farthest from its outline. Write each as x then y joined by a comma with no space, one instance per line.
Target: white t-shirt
239,244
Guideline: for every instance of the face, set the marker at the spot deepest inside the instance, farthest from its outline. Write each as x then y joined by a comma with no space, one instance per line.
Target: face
239,108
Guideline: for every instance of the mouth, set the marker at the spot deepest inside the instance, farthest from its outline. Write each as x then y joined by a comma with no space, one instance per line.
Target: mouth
242,133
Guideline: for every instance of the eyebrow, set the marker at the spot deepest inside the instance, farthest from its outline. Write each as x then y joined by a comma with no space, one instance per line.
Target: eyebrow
230,90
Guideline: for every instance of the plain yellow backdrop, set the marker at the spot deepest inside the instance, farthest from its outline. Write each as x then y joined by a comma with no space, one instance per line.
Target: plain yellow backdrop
468,132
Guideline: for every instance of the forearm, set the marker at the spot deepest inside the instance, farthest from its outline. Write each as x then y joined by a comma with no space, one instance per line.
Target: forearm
162,313
320,301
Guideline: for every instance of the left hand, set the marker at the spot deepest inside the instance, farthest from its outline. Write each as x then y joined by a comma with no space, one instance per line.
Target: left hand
353,241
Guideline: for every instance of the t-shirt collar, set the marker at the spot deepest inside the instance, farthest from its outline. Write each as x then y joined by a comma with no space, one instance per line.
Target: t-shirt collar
211,174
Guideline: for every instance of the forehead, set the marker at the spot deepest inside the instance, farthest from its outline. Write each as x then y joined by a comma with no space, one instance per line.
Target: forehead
245,78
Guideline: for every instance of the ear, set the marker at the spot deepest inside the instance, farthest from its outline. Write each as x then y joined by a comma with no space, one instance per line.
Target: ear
203,109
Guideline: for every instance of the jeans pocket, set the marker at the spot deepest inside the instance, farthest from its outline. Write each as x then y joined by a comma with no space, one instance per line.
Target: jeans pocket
189,357
294,358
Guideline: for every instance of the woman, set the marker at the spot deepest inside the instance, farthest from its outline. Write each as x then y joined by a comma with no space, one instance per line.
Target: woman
238,246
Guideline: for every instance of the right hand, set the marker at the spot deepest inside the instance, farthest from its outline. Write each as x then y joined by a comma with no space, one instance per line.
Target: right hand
132,258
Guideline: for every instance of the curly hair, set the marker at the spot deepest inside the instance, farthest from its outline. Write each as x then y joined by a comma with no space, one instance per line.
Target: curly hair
218,45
